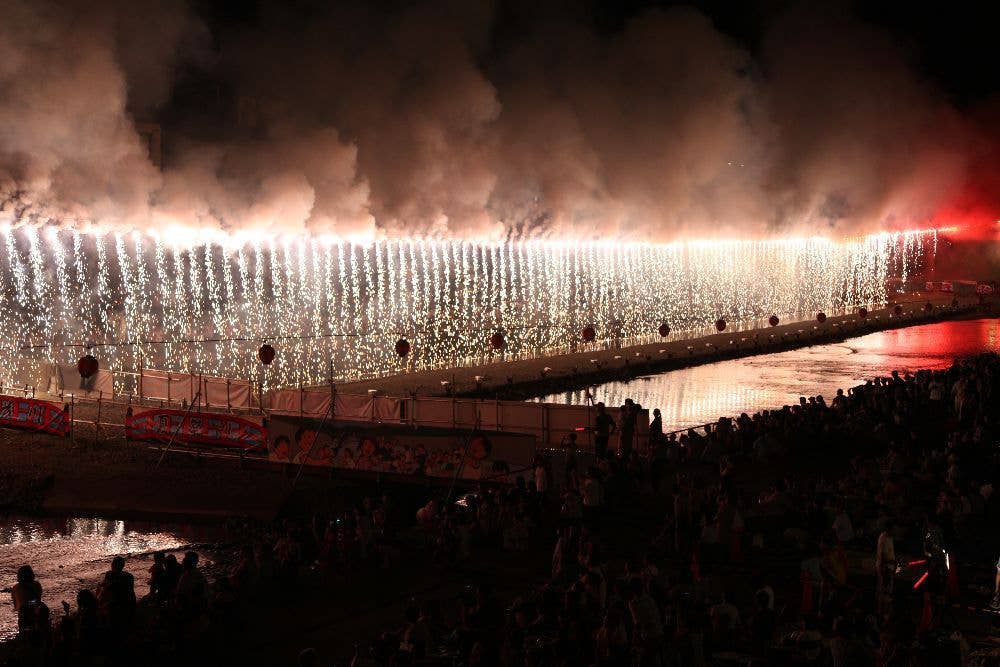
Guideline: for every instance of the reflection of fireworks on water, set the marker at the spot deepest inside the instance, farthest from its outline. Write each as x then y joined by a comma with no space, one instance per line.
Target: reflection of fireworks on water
330,303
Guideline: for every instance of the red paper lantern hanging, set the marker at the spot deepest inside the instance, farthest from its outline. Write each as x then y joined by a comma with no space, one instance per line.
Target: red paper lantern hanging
928,307
898,310
862,312
720,325
498,341
773,320
821,317
664,330
402,347
588,334
266,354
88,366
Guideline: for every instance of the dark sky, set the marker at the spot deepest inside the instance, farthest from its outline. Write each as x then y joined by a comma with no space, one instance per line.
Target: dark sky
952,43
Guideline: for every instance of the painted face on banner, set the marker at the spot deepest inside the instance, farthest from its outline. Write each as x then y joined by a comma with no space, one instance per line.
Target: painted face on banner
368,447
345,458
280,448
479,449
306,440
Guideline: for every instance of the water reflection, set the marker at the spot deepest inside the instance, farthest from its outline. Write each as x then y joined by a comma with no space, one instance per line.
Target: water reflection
701,394
69,554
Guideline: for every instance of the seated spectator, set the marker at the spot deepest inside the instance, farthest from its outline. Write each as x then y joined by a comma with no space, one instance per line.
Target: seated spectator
192,588
157,576
81,631
26,595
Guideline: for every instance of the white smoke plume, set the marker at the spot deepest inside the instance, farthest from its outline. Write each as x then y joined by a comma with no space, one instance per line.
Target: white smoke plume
427,121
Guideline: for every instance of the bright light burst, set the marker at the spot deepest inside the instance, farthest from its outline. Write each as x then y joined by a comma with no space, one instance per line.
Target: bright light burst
338,306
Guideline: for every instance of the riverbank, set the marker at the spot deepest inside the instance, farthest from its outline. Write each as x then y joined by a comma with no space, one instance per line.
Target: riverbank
529,378
45,475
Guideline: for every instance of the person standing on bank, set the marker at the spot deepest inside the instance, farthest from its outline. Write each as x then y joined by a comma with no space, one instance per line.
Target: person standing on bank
604,426
626,438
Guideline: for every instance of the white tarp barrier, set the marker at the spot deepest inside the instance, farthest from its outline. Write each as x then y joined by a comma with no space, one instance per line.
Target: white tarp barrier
60,379
285,401
165,386
224,393
549,423
351,407
388,409
357,407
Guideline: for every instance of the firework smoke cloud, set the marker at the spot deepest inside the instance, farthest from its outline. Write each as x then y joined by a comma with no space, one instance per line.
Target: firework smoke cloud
435,121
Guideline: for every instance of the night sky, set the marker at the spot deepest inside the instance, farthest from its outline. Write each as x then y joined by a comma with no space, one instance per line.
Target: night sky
509,119
951,43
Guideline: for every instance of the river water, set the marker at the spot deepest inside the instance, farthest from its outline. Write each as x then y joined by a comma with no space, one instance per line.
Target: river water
701,394
68,554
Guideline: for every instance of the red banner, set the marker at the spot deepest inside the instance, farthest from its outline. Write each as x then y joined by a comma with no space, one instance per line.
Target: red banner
200,428
33,415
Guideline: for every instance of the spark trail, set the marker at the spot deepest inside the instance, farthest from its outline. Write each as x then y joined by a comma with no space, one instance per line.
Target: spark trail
334,304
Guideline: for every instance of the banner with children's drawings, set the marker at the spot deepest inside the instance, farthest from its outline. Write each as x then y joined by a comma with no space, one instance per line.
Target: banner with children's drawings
404,451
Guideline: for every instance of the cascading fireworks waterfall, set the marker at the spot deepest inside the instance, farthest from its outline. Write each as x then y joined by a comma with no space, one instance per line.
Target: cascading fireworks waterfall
339,306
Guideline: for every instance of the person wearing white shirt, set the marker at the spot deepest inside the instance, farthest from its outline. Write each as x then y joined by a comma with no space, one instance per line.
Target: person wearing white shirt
885,567
541,478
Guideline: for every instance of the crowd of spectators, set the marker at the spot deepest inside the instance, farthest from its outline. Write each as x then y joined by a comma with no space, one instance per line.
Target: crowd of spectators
186,610
106,624
824,531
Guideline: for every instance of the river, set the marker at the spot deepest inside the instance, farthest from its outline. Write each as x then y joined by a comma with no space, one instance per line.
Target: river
701,394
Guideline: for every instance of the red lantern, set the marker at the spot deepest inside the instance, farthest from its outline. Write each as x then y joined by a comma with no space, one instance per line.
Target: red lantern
402,347
87,366
664,330
773,320
497,341
928,307
588,334
898,310
821,317
720,325
862,312
266,354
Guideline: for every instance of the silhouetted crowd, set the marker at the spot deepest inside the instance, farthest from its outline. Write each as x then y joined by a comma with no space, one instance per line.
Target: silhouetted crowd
107,622
824,532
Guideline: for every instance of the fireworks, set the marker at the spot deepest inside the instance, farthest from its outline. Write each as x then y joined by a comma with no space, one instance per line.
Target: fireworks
335,308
